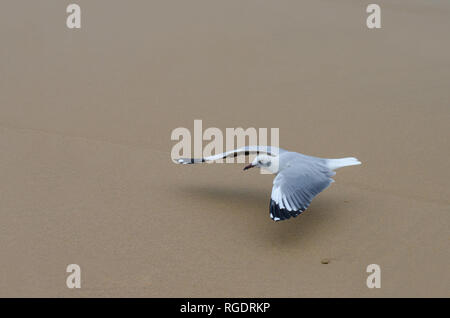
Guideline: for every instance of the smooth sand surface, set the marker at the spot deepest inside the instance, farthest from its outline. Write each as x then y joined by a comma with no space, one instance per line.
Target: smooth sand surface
85,169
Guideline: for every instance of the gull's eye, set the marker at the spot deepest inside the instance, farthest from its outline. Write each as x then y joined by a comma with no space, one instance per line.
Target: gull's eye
260,162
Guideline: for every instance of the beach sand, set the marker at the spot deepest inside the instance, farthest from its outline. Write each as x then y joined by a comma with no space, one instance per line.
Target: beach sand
86,175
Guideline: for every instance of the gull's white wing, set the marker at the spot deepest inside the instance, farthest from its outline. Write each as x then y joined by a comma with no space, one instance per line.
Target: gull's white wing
296,185
272,151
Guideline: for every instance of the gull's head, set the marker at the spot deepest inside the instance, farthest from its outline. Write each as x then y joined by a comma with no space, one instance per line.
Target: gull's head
268,163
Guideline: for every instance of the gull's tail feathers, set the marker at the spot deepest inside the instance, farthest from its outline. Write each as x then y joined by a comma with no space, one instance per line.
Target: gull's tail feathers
334,164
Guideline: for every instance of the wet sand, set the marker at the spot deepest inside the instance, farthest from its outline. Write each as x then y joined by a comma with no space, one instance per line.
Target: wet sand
85,170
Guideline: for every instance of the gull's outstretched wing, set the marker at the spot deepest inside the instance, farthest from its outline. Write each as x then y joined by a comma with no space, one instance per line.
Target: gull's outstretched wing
295,186
272,151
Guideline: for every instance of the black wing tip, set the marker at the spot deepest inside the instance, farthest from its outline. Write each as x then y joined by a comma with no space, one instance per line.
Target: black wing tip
278,214
189,161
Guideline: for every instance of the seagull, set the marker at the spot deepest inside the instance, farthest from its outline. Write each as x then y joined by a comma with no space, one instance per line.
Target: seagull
299,178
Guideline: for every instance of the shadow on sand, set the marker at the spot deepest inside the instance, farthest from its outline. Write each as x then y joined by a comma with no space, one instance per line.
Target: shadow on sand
255,202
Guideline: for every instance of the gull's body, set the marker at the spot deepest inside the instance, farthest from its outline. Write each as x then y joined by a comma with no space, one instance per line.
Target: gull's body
299,178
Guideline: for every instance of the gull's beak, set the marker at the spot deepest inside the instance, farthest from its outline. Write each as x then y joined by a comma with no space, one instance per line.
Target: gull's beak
248,167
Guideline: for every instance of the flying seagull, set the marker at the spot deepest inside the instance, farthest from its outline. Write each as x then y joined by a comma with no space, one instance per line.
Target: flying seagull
299,178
